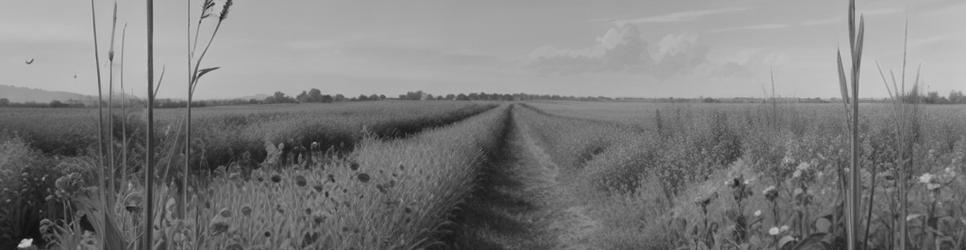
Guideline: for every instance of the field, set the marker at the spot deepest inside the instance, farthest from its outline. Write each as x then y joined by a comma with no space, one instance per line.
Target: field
42,144
537,175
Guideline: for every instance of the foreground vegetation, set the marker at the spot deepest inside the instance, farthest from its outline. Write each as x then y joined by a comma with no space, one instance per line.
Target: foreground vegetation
40,146
740,176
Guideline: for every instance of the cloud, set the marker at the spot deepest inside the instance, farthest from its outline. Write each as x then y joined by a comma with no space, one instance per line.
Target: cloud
677,54
684,16
753,27
618,49
623,49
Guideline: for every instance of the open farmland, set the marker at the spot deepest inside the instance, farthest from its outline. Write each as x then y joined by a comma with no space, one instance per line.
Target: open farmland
437,125
44,144
559,175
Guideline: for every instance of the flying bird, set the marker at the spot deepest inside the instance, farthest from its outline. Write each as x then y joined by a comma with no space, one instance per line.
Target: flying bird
75,76
28,62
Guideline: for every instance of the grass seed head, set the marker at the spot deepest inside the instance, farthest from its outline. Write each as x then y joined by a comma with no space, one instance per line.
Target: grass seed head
300,180
224,10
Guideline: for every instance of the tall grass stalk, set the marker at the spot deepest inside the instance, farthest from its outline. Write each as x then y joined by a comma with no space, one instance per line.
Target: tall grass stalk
123,111
906,124
187,137
194,74
110,111
100,117
149,168
856,36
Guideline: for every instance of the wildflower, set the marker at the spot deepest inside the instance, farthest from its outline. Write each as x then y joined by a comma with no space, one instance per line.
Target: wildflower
363,177
771,193
276,178
926,178
933,186
235,246
219,224
774,231
803,166
318,188
246,210
26,244
300,180
757,212
354,166
784,228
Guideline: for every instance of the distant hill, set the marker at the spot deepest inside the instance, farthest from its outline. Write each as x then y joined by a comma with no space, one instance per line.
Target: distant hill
23,94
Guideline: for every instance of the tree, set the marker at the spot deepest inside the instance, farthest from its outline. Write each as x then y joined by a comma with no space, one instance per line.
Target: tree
339,97
279,97
315,95
4,102
303,97
56,104
954,97
462,97
374,97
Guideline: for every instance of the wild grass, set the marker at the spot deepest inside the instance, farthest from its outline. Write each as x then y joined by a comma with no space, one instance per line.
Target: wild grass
791,174
62,136
385,194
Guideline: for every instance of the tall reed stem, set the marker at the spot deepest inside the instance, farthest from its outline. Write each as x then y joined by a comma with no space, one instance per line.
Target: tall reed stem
149,169
100,118
123,112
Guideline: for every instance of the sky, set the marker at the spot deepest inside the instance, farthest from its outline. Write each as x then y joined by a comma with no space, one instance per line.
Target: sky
618,48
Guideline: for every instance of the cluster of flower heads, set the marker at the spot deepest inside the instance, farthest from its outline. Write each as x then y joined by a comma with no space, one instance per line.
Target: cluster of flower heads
935,181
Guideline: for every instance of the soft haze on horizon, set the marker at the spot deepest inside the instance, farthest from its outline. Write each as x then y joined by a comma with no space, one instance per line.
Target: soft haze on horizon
684,48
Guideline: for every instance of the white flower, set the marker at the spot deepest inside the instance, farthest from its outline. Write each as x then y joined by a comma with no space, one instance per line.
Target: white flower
803,166
768,189
798,173
26,243
774,231
926,178
784,228
758,213
932,186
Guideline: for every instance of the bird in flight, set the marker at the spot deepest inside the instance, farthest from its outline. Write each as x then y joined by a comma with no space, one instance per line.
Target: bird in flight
28,62
75,76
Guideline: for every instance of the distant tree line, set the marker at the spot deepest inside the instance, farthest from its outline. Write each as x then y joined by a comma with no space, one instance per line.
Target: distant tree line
315,95
482,96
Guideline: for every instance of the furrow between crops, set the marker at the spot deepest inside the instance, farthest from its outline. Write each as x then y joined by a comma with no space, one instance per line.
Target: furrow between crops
519,203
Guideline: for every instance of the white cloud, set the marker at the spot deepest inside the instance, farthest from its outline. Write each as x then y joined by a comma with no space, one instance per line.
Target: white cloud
618,49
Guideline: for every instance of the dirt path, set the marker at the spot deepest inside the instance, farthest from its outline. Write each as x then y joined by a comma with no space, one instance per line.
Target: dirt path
520,204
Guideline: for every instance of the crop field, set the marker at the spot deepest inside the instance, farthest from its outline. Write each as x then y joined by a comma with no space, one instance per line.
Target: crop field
538,175
41,145
606,155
